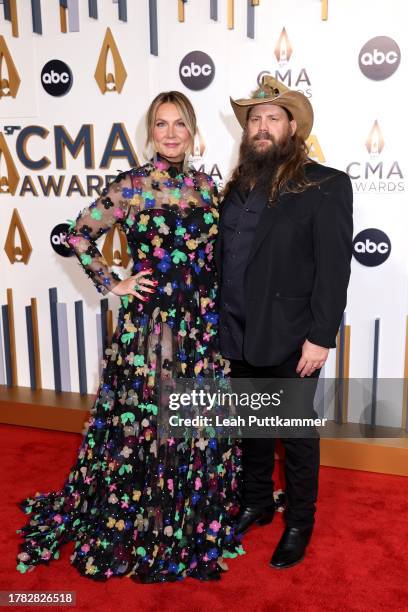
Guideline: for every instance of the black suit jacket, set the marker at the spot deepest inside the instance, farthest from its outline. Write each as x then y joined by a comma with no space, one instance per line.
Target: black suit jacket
297,273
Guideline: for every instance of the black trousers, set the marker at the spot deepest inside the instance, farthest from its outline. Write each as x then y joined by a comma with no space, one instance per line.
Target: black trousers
302,456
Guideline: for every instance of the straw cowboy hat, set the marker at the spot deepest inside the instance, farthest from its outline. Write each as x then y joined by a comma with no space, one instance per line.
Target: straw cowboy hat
272,91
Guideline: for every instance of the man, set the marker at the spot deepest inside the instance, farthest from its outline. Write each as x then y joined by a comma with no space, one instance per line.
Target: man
284,258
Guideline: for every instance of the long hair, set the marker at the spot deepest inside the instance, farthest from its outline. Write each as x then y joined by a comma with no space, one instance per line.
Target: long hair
287,176
186,111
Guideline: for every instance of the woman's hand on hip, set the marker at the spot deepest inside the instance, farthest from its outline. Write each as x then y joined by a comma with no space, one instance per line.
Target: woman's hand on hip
136,285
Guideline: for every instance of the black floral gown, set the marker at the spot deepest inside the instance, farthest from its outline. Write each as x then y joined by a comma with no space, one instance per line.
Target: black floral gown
136,505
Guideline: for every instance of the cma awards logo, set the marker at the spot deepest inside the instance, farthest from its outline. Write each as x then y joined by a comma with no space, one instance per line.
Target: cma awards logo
376,174
56,78
9,77
314,149
17,246
118,147
295,78
9,176
110,73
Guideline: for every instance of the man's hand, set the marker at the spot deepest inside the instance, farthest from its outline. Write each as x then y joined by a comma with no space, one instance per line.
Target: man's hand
313,358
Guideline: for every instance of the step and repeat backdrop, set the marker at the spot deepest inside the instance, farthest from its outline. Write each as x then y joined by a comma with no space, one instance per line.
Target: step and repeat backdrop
76,79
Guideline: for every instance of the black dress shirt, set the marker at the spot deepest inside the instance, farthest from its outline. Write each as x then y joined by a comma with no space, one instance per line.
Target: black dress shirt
240,216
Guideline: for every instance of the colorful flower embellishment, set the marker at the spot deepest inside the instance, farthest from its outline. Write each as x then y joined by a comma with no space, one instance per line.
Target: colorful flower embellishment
86,260
202,443
208,218
118,213
111,522
74,240
107,203
168,289
164,265
215,526
159,220
205,194
96,214
127,193
158,252
192,244
127,417
160,165
149,200
142,225
157,241
178,256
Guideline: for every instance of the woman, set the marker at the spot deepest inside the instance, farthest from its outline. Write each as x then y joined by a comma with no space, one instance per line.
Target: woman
138,504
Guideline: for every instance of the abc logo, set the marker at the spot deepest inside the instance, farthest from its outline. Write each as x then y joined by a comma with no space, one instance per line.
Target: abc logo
57,240
56,78
196,70
379,58
371,247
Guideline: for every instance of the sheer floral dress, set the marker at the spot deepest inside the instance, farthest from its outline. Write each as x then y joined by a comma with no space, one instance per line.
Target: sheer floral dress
136,505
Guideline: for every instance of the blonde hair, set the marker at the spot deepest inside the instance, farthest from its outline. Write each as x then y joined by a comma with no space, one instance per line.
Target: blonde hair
186,111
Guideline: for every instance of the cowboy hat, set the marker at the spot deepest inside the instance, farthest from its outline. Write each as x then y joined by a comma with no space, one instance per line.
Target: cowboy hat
272,91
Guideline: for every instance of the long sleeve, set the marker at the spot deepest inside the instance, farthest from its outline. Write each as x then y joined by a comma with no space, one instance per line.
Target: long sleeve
332,238
94,221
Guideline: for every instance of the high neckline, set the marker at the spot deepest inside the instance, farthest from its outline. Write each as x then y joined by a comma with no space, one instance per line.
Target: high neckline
170,166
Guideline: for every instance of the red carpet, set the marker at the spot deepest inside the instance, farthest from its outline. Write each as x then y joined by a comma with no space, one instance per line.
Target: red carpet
357,559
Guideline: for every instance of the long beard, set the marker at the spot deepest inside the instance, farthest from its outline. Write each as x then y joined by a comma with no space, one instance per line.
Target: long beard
257,166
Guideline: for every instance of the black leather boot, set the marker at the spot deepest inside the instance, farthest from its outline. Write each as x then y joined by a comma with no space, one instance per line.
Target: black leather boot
292,547
261,515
